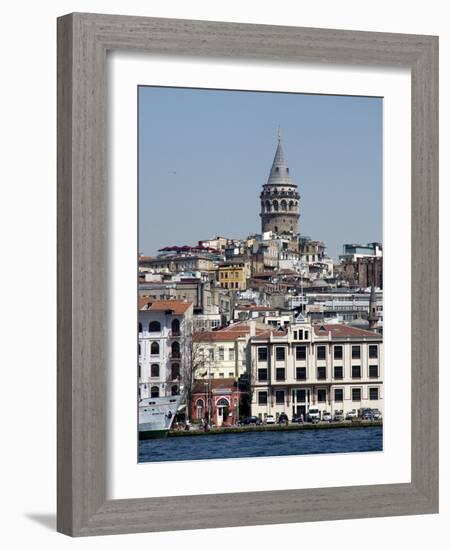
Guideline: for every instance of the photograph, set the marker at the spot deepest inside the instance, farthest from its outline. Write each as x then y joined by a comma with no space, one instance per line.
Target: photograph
260,274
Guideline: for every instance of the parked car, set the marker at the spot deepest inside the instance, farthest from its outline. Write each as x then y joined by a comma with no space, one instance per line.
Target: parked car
250,420
313,414
352,414
270,419
283,419
364,411
338,416
367,414
298,418
326,416
376,414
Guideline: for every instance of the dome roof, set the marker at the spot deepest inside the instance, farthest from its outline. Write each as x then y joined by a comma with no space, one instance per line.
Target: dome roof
319,283
359,323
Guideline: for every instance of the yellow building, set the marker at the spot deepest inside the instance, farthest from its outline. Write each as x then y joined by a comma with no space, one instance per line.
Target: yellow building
233,275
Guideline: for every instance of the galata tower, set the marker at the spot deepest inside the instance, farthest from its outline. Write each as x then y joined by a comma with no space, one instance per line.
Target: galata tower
280,200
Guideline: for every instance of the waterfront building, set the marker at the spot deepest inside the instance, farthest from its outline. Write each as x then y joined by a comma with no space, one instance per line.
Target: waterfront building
218,402
280,200
165,328
221,353
329,366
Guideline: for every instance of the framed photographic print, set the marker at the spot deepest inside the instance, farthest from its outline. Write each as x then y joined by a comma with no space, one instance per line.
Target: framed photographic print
247,284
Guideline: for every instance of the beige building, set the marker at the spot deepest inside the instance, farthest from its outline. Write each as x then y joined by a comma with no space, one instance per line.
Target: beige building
331,367
223,353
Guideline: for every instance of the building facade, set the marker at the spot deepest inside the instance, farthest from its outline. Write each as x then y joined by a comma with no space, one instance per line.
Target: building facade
165,328
331,367
217,402
233,275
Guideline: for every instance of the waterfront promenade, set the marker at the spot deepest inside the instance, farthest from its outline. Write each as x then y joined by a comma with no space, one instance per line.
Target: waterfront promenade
196,430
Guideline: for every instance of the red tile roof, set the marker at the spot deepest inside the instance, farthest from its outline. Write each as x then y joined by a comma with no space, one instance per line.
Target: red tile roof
233,332
219,336
343,331
177,307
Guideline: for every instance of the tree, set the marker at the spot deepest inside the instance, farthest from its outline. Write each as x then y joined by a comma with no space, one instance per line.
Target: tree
196,363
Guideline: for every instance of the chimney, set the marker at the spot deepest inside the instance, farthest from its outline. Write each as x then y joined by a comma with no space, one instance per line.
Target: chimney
252,325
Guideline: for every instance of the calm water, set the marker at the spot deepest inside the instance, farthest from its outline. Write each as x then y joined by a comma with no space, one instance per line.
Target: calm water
298,442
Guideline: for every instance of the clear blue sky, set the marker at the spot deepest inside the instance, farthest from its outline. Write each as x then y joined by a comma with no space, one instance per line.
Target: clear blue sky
204,155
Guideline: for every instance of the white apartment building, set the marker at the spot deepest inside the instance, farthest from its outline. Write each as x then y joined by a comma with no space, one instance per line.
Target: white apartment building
331,366
165,328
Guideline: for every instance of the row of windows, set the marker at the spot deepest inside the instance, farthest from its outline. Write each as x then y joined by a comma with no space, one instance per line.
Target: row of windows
155,349
154,391
301,334
321,352
230,354
283,205
230,274
155,326
230,285
321,373
356,395
155,370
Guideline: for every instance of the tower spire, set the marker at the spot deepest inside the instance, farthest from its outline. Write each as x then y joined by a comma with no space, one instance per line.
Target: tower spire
280,209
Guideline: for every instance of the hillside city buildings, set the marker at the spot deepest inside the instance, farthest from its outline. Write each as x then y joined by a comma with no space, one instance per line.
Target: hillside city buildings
266,324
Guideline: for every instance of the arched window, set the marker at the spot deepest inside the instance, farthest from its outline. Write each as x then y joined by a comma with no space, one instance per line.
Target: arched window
175,349
176,326
154,348
140,327
154,326
291,205
275,205
175,390
175,371
268,207
154,392
199,406
154,370
275,191
223,402
283,205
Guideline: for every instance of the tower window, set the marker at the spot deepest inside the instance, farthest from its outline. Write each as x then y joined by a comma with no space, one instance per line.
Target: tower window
277,169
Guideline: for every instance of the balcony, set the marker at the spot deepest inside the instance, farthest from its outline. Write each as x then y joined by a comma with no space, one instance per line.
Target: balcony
175,356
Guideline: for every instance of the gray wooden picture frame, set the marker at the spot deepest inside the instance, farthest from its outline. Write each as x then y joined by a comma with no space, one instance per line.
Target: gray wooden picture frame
83,41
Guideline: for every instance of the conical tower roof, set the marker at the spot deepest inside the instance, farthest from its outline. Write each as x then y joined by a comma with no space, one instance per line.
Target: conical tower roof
279,173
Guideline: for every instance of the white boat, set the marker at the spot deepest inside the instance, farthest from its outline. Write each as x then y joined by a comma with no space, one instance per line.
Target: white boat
156,415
